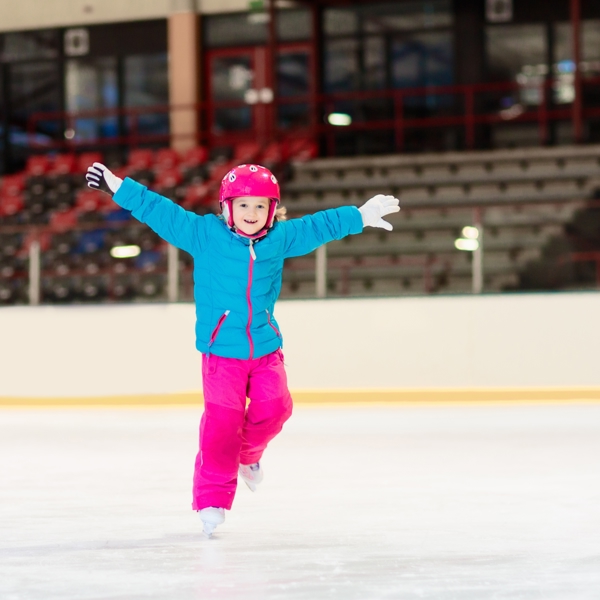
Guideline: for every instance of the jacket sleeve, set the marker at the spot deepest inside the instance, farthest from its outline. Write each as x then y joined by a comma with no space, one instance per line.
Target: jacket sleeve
179,227
304,235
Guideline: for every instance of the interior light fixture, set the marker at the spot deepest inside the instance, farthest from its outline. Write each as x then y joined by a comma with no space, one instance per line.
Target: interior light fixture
470,232
467,245
125,251
339,119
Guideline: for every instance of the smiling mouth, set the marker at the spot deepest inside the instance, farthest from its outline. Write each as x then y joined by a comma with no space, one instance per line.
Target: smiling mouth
250,222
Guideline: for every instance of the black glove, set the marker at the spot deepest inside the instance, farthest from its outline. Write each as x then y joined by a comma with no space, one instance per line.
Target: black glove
101,178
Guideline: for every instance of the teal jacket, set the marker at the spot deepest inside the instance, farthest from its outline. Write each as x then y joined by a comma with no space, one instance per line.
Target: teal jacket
235,293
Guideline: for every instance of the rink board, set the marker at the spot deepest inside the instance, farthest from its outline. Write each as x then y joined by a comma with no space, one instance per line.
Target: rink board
336,397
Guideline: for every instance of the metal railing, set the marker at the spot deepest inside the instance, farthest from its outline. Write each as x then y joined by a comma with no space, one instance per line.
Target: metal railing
464,108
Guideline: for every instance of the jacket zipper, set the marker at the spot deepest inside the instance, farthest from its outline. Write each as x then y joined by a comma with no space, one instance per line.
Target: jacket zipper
249,298
271,324
215,332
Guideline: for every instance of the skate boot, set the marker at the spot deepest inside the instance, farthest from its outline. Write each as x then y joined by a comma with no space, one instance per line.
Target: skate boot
211,517
251,474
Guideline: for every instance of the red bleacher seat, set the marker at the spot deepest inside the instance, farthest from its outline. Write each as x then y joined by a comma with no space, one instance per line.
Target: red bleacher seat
87,159
63,220
166,158
64,164
90,200
274,153
219,171
195,156
196,195
45,240
302,149
246,152
37,165
13,185
168,178
140,159
11,205
122,172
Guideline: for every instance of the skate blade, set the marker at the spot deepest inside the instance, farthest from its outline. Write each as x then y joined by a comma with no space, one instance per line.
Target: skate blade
251,486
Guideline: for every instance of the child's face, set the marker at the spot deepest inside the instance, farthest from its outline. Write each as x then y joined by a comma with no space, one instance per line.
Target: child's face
250,213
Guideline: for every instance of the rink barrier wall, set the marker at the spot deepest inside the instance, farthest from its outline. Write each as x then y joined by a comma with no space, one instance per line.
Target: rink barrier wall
303,397
413,349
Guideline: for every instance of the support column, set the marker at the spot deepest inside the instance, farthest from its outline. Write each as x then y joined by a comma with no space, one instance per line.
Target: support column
469,58
478,254
273,58
34,272
577,116
184,73
321,271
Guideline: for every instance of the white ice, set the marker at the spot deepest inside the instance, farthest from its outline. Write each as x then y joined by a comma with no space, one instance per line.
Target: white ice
358,502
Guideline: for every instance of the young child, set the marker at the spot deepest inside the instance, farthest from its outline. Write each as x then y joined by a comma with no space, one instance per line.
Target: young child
238,264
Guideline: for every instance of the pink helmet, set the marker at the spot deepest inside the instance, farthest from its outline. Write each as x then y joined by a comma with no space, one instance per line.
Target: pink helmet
249,180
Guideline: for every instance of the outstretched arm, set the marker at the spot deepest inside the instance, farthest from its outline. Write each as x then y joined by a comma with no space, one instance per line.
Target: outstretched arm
308,233
177,226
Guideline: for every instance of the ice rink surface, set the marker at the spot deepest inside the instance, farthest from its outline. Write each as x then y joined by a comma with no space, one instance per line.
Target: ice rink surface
359,502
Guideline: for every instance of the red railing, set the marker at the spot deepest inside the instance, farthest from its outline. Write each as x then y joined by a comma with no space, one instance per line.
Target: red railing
465,110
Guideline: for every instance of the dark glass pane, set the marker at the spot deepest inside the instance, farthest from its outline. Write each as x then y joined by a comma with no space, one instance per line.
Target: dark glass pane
564,67
293,79
340,21
29,45
91,84
385,17
147,84
590,44
374,60
240,29
294,25
231,78
3,133
293,74
34,87
422,60
518,53
342,66
405,16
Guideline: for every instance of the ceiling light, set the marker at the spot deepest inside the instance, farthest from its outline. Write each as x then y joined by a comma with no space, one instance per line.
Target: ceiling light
125,251
339,119
466,245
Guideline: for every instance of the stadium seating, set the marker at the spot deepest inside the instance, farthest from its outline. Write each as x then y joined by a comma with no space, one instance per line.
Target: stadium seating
529,199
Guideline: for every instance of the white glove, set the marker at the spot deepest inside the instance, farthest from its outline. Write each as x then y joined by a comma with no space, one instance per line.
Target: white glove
101,178
377,207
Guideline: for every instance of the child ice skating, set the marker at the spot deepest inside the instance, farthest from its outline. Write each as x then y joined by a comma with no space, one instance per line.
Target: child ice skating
238,263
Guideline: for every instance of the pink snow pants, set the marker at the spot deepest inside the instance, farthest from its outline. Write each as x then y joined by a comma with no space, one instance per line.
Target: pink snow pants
230,434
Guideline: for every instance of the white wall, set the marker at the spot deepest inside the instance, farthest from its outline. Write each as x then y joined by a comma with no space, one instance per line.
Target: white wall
399,343
41,14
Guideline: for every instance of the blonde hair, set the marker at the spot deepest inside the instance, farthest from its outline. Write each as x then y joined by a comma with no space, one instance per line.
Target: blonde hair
281,214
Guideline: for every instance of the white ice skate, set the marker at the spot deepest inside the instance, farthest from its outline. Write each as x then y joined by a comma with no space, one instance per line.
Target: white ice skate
252,475
211,517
